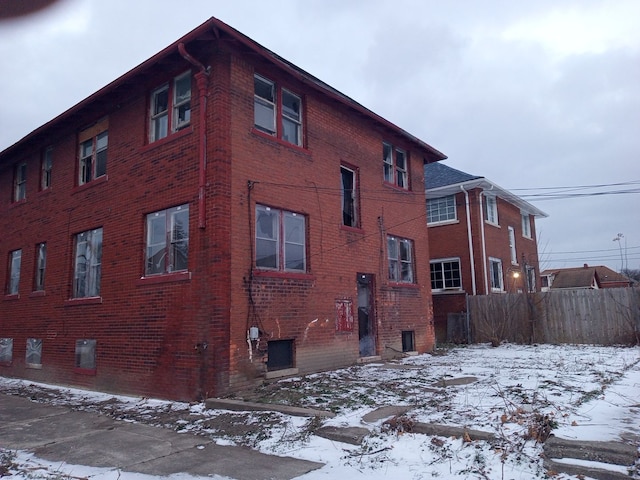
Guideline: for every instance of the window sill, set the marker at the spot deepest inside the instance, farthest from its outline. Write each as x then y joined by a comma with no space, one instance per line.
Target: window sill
164,278
497,225
37,293
83,301
283,275
456,291
443,223
346,228
34,366
93,183
85,371
396,187
17,203
404,285
279,141
285,372
44,191
11,297
184,131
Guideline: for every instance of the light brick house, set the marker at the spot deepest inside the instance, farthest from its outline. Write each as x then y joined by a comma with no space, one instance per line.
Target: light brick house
482,241
213,217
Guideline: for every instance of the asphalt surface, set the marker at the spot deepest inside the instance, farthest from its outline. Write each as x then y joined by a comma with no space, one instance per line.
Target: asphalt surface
58,434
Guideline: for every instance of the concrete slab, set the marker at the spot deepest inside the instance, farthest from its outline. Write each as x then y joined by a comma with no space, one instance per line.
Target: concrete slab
350,435
385,412
447,382
81,438
616,453
242,406
451,431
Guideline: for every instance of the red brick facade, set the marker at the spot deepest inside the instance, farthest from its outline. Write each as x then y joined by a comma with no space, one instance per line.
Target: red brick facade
185,334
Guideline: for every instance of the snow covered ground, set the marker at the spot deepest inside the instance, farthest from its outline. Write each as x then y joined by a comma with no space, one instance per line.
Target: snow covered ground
518,393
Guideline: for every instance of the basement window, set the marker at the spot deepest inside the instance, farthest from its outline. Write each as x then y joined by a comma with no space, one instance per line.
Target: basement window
6,351
85,354
280,354
33,357
408,341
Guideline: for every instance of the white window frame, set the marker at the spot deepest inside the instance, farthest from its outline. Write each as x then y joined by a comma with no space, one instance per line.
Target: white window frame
291,117
395,171
349,198
496,277
442,210
264,104
439,268
285,240
526,225
20,182
167,251
175,115
15,262
491,203
400,259
87,270
41,265
512,245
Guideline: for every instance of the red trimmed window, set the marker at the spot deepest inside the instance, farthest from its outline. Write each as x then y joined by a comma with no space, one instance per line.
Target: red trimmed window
277,111
395,166
170,107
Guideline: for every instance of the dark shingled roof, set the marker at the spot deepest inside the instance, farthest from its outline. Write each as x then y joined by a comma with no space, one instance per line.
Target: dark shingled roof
438,175
575,278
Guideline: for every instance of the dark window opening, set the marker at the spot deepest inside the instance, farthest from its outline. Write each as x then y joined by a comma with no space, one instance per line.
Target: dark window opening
280,354
408,341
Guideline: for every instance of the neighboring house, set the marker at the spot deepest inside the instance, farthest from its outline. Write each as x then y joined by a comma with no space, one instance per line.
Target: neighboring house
583,277
213,217
482,240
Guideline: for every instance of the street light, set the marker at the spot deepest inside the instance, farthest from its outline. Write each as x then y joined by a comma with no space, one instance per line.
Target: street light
618,239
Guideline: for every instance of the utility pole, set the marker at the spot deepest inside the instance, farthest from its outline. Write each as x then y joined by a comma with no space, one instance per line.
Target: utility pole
618,239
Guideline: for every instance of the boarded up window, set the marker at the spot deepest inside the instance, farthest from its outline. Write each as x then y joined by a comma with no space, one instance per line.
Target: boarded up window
344,316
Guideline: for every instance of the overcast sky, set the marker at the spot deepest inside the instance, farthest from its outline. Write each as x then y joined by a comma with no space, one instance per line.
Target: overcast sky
541,98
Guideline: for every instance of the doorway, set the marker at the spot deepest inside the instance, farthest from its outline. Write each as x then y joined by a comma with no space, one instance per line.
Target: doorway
366,315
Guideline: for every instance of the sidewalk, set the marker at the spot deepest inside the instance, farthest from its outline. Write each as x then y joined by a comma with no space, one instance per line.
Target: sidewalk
61,435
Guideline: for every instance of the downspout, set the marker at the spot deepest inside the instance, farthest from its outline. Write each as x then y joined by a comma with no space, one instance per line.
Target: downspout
471,256
201,81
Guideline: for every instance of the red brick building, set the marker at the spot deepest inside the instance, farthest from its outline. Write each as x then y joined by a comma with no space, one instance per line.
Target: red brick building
482,241
213,217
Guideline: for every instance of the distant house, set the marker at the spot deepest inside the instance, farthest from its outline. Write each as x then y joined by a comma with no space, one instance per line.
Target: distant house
482,241
583,277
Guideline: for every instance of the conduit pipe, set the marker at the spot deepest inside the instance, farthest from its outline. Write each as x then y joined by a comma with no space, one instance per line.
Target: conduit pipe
202,82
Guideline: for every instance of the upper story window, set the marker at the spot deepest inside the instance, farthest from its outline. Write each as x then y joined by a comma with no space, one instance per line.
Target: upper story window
167,248
512,246
41,264
400,257
441,209
349,197
395,166
46,166
280,118
88,264
445,274
20,182
93,152
280,240
526,225
15,261
491,209
170,107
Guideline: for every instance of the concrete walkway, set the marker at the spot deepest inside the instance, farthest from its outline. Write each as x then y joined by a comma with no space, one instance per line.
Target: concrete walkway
59,434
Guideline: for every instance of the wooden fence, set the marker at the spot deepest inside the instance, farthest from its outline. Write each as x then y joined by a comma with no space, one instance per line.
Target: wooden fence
602,317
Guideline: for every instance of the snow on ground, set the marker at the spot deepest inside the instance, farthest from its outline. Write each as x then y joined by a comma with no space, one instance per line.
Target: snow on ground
520,394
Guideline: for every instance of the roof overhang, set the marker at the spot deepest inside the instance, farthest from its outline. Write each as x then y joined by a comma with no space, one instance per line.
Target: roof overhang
216,29
489,188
